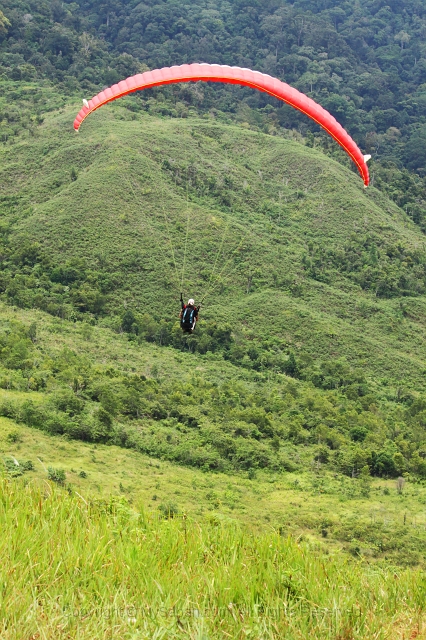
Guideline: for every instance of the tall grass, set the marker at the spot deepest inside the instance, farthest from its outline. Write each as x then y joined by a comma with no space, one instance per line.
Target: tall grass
71,567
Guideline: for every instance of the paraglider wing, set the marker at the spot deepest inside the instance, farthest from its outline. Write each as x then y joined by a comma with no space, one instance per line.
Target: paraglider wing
231,75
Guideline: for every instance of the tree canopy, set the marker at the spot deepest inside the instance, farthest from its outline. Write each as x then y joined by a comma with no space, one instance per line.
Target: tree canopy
364,62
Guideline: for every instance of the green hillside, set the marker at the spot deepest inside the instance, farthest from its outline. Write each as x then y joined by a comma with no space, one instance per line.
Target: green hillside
297,406
315,295
257,479
79,553
285,242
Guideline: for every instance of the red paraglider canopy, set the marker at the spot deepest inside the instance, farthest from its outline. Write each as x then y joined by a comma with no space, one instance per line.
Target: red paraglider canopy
232,75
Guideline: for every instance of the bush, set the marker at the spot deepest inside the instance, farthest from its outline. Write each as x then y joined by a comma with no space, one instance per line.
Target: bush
15,468
66,401
56,475
168,510
14,437
12,469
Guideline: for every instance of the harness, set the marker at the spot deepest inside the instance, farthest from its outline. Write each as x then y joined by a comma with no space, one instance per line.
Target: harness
188,317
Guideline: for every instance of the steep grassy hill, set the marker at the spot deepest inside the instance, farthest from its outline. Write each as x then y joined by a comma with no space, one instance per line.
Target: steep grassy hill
304,274
284,242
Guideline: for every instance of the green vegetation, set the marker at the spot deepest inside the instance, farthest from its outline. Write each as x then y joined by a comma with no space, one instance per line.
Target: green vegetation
108,565
315,306
296,410
366,64
378,520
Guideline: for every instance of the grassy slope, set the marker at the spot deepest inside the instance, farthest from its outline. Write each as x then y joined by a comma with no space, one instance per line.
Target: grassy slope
113,217
125,205
384,526
106,570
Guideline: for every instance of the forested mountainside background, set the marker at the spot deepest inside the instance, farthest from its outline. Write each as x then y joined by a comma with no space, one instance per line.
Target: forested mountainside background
364,61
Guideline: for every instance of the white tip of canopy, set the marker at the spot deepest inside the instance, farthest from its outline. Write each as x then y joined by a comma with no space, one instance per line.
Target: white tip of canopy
367,157
86,104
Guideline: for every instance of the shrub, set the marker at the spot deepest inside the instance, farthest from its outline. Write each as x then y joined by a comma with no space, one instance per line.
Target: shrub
8,409
12,468
168,510
65,400
14,437
15,468
56,475
354,548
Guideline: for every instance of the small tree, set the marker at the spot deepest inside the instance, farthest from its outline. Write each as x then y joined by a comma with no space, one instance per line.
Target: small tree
168,510
129,323
290,367
32,332
400,485
365,480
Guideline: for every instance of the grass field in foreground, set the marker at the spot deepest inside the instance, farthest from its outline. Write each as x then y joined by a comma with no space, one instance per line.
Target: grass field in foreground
384,528
73,567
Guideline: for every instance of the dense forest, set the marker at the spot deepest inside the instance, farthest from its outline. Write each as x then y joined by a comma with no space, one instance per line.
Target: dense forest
363,61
